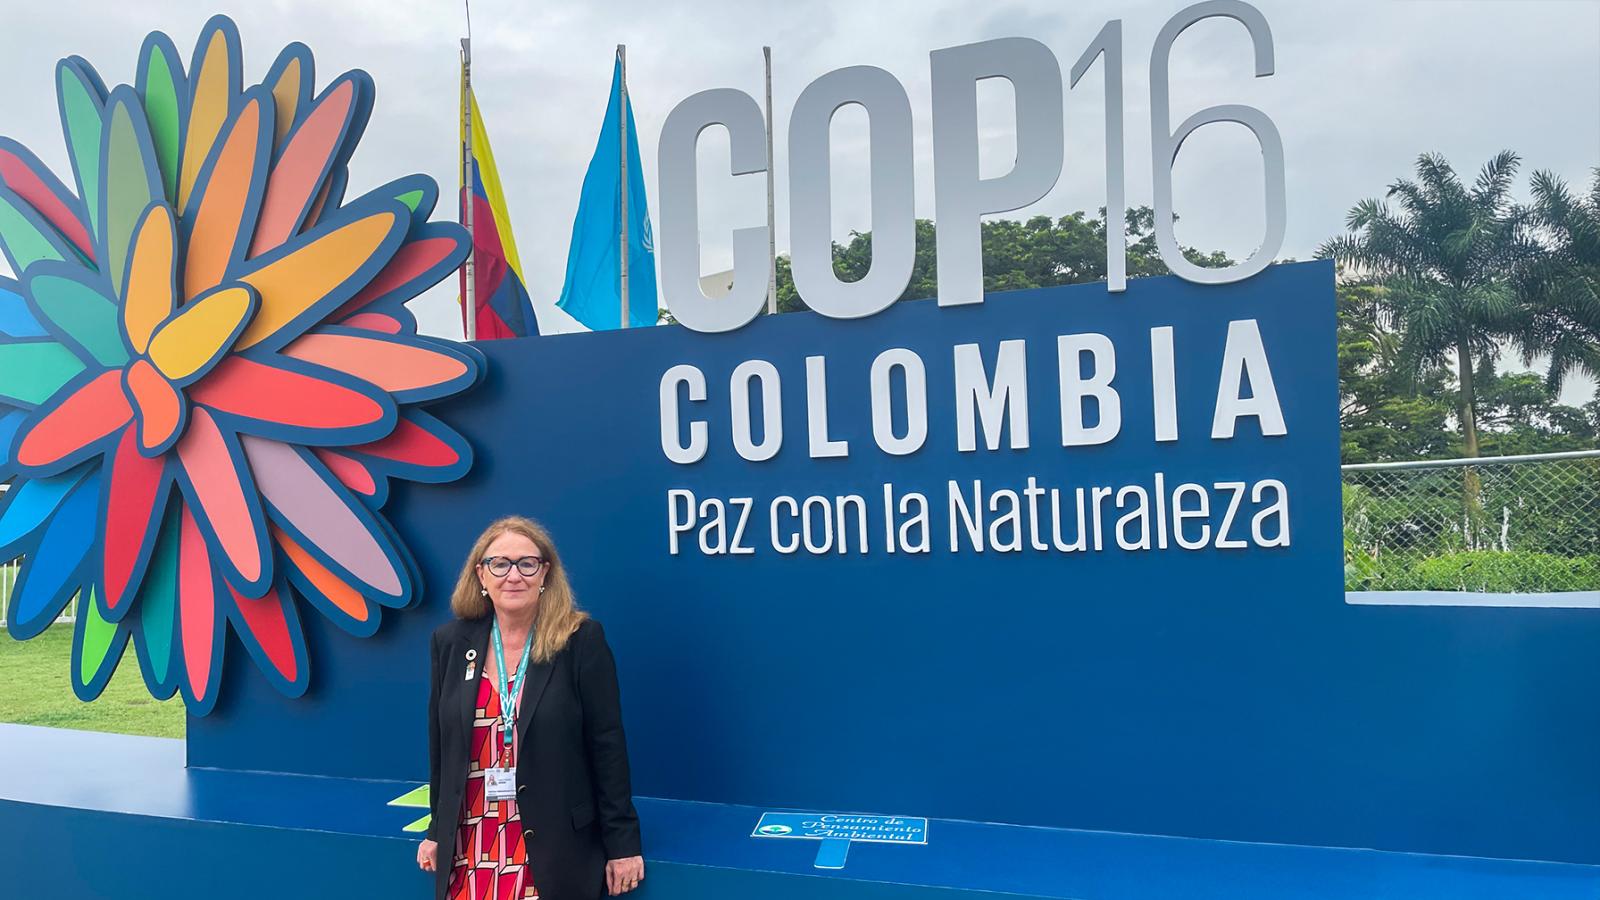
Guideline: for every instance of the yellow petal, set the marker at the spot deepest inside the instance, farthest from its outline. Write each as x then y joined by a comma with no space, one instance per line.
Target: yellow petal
200,333
297,281
150,277
213,90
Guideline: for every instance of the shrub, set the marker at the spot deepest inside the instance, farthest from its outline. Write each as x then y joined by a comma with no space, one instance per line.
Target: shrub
1514,571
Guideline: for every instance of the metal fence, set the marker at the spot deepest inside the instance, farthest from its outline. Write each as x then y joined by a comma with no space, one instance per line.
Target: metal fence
1508,524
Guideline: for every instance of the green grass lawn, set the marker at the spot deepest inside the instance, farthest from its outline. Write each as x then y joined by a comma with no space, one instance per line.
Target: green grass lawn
36,689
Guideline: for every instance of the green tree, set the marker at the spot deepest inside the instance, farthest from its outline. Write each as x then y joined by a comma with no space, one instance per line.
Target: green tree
1387,411
1040,252
1441,257
1520,415
1561,284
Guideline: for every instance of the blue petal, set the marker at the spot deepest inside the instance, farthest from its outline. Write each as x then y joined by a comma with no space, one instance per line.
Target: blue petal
30,504
52,572
10,421
15,319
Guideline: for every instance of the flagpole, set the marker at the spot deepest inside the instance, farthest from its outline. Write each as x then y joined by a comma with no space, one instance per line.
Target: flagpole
622,183
469,315
772,234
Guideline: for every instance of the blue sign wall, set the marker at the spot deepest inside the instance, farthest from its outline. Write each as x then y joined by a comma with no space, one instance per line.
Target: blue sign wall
1220,691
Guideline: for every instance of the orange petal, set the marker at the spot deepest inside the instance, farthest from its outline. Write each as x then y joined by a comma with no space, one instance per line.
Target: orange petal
217,222
160,406
339,593
150,277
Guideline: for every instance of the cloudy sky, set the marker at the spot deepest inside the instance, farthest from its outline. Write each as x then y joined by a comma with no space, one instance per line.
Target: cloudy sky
1361,89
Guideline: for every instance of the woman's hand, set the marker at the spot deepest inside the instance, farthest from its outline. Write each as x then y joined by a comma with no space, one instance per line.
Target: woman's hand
428,856
623,875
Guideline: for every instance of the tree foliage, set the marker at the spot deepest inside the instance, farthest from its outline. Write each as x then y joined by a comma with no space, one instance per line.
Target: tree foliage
1561,284
1040,252
1441,254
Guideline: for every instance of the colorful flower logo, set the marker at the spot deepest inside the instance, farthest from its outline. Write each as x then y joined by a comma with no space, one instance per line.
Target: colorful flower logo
207,371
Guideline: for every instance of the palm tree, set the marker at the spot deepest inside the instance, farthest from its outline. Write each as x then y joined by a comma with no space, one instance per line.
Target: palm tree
1562,284
1442,255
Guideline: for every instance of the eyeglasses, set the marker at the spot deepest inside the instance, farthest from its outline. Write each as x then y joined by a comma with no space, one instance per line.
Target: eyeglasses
500,566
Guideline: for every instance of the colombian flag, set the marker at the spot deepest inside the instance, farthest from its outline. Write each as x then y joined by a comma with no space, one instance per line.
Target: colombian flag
504,308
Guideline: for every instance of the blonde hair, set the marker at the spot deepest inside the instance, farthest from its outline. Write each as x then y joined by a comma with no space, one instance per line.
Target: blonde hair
559,615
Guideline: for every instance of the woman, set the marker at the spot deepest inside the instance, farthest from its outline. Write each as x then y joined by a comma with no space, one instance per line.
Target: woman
528,765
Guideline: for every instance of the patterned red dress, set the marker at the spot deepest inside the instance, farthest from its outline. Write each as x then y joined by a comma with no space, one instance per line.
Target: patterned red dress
490,859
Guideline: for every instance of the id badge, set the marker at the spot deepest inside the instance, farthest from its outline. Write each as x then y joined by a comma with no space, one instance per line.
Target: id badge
500,784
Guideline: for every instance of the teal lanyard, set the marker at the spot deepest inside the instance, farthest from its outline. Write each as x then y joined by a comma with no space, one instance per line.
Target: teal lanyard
508,693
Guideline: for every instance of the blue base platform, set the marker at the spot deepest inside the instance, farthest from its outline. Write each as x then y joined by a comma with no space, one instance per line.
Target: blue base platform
85,815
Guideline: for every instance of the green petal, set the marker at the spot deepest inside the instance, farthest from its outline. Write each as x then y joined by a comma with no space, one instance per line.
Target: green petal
81,312
31,372
411,199
81,107
25,238
158,85
132,180
99,637
157,603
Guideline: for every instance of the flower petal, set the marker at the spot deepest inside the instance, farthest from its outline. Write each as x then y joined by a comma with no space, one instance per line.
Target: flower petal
32,181
152,277
291,78
421,449
224,202
214,81
187,345
198,623
80,96
270,630
25,237
350,473
16,319
31,372
97,649
53,570
321,586
410,372
332,524
292,402
132,179
29,505
299,172
378,322
136,500
303,285
221,486
62,295
157,603
417,265
164,93
92,412
157,406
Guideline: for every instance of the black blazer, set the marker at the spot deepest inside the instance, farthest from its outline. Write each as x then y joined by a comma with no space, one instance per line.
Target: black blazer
573,789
